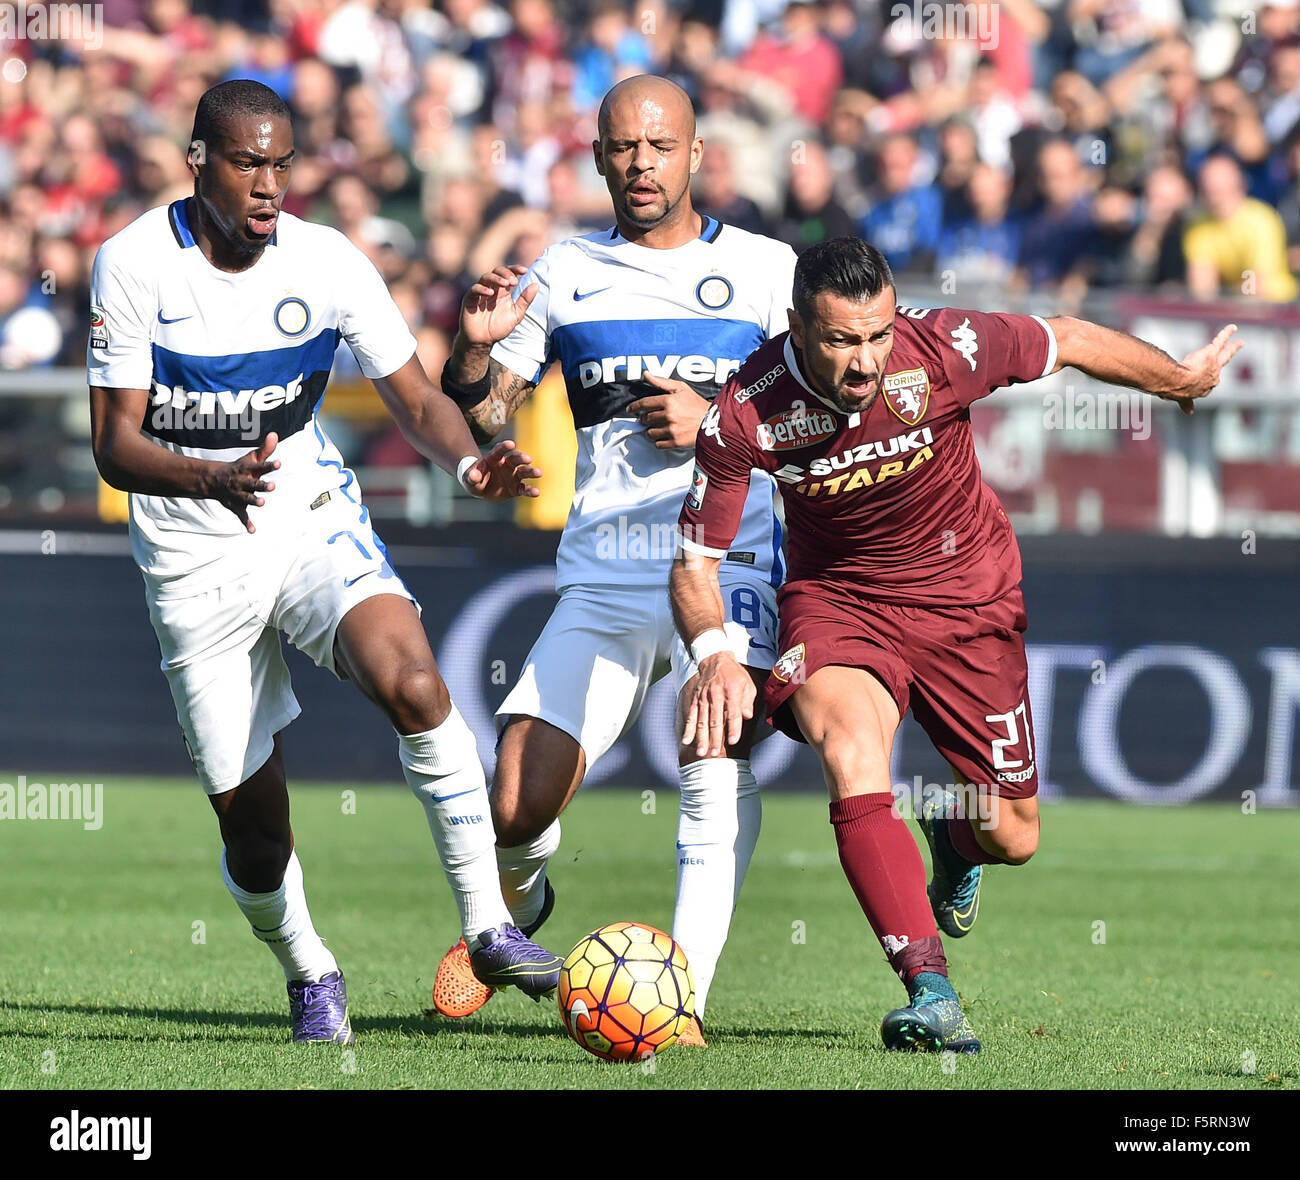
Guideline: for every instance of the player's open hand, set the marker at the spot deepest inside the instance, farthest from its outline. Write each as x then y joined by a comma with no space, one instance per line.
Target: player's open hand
719,706
672,418
489,311
1204,367
501,473
237,485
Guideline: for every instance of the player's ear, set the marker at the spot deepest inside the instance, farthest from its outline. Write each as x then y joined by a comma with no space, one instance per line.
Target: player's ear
796,326
697,154
196,157
595,151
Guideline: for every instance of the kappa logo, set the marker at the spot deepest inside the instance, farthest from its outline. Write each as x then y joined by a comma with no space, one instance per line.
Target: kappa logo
712,425
795,427
907,394
966,342
788,667
743,395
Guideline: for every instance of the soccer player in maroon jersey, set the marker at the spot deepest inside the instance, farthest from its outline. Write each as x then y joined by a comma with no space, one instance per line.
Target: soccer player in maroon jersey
904,583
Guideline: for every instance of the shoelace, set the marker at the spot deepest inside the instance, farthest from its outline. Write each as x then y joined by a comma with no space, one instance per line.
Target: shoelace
317,1005
512,934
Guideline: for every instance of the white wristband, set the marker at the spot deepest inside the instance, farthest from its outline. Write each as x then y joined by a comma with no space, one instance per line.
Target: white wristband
709,643
463,466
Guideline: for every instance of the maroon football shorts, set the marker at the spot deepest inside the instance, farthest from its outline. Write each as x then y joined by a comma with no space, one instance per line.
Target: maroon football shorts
961,669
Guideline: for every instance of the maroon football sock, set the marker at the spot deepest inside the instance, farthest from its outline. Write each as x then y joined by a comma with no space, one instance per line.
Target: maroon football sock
966,846
885,869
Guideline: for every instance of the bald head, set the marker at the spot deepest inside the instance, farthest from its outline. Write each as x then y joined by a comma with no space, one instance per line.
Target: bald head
647,152
648,94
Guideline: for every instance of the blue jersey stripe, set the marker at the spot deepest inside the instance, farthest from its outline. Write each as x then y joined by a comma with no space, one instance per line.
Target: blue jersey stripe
246,370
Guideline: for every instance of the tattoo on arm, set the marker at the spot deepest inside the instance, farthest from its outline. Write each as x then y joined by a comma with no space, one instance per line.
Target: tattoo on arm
507,391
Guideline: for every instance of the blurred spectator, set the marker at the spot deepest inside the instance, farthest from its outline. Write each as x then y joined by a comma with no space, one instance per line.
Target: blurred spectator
1237,130
355,214
1156,250
797,57
575,210
612,51
992,114
1281,98
714,191
984,246
528,64
811,213
1238,245
30,336
1276,21
1058,235
1113,33
906,216
958,158
1084,116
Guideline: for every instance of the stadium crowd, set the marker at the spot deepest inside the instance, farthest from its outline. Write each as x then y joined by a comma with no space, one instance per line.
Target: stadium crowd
1050,147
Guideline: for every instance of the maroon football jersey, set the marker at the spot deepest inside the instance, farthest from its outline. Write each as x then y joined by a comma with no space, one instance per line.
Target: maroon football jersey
889,499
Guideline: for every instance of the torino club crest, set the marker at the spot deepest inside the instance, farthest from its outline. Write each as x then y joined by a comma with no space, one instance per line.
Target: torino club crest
907,394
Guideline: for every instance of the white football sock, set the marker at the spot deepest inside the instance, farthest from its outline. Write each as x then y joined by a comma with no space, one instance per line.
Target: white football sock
717,828
523,874
281,920
442,769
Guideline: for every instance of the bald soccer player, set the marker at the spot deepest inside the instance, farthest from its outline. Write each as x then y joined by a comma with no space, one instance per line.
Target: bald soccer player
647,320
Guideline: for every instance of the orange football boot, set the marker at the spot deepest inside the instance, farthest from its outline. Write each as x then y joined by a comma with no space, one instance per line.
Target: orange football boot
693,1034
456,990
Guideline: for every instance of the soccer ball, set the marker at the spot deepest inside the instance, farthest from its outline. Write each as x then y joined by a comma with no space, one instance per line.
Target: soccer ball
626,992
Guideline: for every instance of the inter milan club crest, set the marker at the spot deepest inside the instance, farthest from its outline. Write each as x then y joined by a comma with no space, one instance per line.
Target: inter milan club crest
292,316
790,665
714,292
907,394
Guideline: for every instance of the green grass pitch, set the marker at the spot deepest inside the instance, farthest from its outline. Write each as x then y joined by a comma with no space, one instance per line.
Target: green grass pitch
126,965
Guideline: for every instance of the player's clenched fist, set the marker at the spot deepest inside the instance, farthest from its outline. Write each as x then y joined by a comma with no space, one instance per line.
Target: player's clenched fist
237,485
723,700
489,311
500,474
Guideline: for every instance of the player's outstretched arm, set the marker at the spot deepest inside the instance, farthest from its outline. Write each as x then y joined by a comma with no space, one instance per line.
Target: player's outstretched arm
433,425
1121,359
132,462
723,696
487,392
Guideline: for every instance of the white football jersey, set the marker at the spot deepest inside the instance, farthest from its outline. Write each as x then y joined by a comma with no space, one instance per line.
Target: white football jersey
611,311
230,358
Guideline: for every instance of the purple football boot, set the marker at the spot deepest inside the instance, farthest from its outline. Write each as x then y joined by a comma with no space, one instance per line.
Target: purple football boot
320,1010
506,958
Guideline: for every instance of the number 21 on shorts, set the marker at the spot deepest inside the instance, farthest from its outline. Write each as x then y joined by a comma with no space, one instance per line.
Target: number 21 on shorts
1016,729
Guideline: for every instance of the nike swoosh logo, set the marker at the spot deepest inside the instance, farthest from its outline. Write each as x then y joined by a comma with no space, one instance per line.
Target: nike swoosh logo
162,319
457,795
349,581
576,1009
586,294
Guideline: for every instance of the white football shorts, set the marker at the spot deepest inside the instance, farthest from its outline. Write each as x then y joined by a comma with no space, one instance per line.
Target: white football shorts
221,647
604,646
